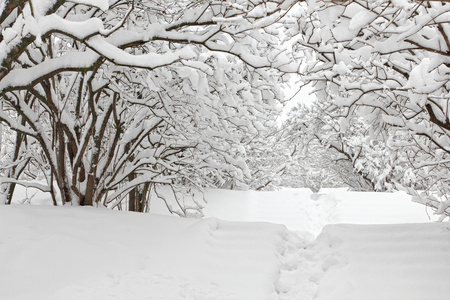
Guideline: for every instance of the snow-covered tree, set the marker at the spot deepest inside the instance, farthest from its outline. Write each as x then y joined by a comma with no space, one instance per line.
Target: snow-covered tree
110,99
321,155
387,63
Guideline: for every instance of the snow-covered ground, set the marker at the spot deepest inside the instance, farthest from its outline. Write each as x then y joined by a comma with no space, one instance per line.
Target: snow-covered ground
289,244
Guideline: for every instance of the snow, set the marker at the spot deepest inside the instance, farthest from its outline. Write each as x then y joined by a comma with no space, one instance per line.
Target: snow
88,253
361,19
71,60
150,60
386,262
80,30
393,120
9,34
288,244
404,4
302,211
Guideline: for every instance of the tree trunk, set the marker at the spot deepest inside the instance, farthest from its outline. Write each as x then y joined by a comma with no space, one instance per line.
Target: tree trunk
132,199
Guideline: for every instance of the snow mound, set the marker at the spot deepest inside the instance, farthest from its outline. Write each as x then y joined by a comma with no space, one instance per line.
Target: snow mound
72,253
373,262
87,253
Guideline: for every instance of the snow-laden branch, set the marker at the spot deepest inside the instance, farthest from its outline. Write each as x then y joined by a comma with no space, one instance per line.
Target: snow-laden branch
149,61
120,96
26,184
386,64
26,78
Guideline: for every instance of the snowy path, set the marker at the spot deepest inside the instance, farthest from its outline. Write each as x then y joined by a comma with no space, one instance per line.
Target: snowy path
74,253
303,212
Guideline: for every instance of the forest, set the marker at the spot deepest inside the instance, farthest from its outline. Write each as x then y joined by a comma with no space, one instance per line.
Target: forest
112,102
224,149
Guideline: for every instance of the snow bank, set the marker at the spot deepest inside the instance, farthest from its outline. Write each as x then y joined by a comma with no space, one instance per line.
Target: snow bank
377,208
292,208
373,262
55,253
87,253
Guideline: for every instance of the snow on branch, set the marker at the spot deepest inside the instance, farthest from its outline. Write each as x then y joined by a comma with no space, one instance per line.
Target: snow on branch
119,96
26,184
385,64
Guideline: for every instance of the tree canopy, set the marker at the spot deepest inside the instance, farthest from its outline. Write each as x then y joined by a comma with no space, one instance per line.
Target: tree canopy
110,99
385,64
104,101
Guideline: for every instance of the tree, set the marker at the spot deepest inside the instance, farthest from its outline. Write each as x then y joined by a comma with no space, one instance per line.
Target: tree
386,62
110,100
323,156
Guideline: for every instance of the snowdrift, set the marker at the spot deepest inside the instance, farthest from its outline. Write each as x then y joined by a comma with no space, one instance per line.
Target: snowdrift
264,248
